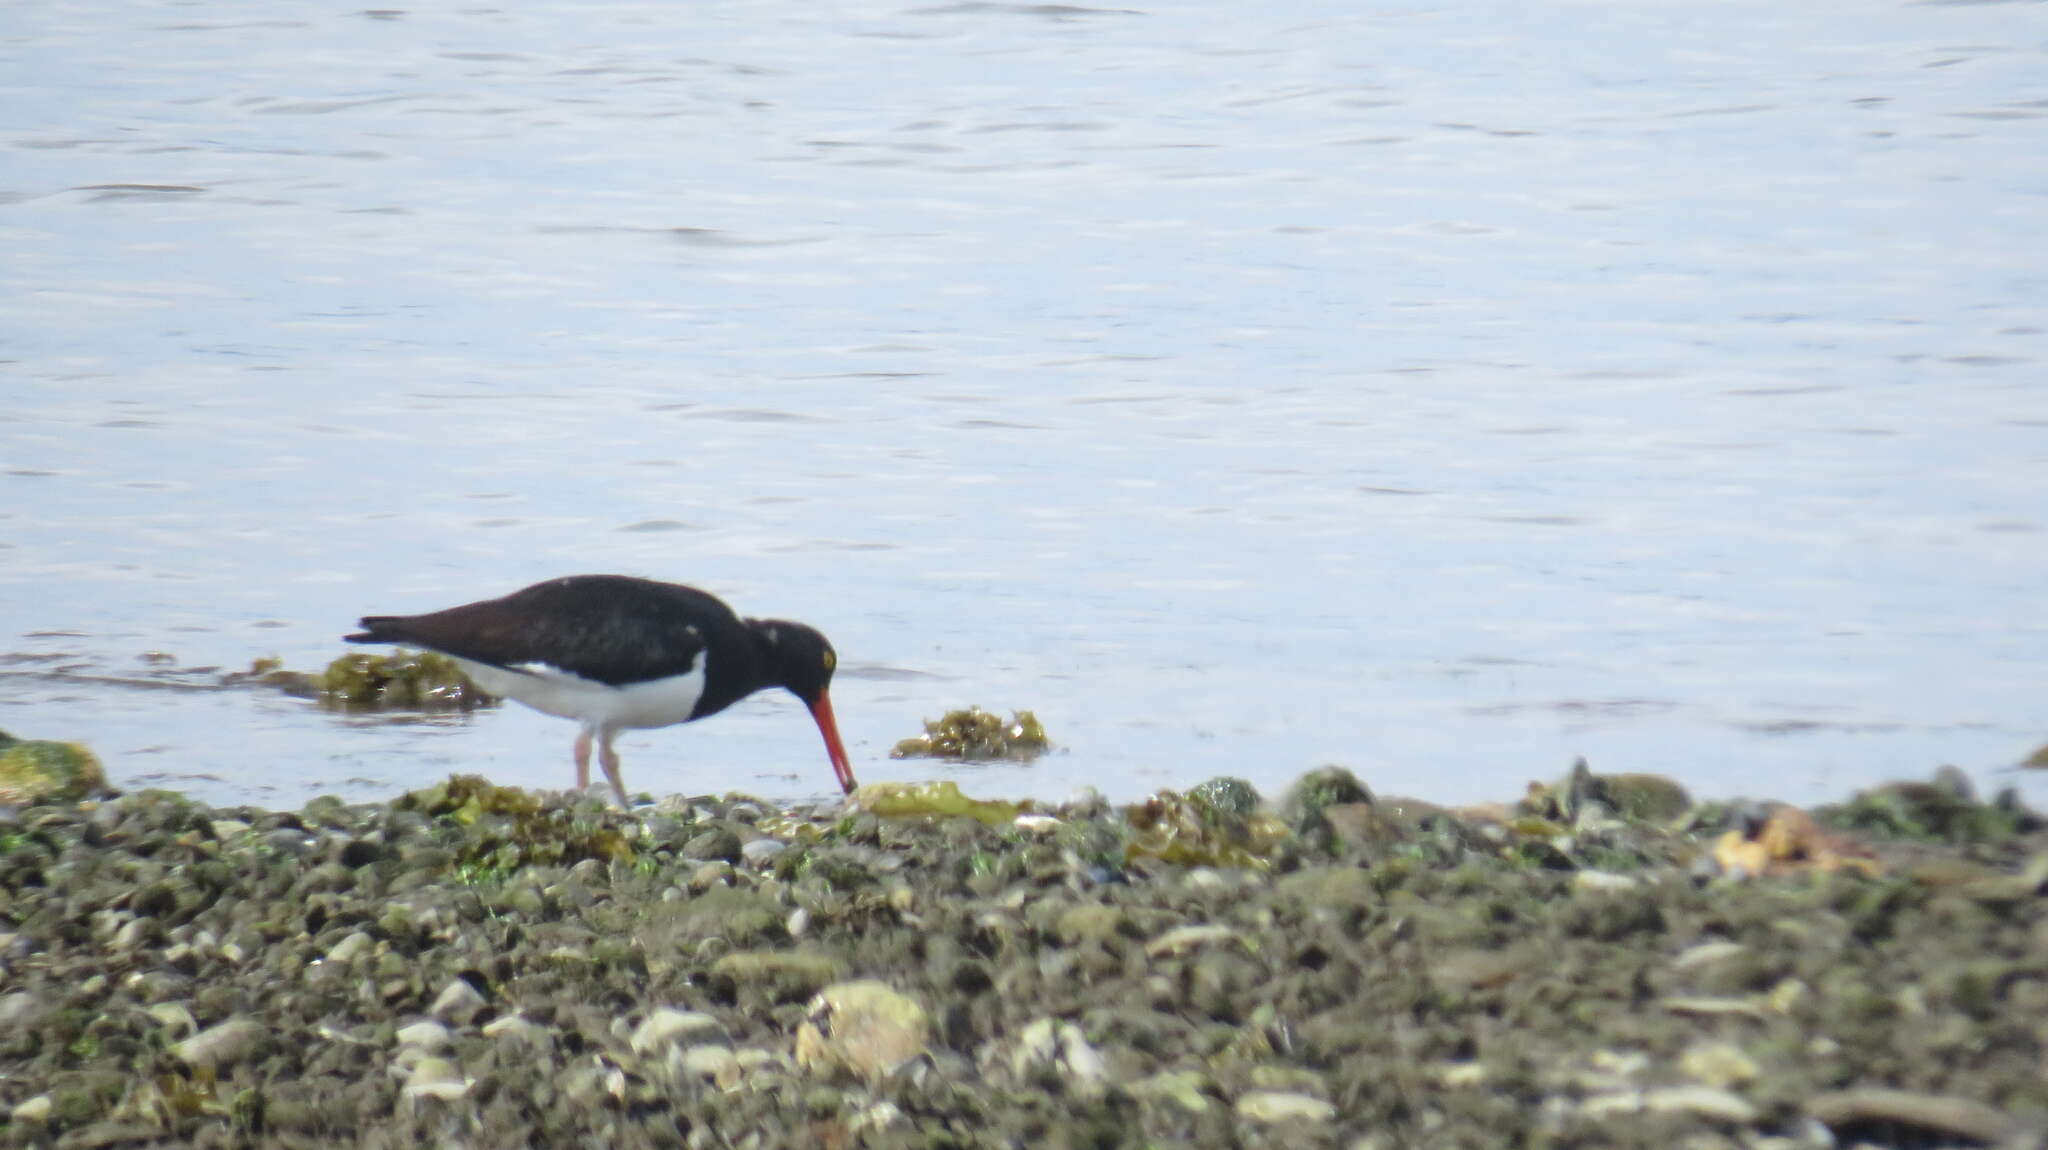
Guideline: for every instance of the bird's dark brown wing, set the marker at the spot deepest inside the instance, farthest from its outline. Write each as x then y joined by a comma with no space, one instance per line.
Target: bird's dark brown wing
612,629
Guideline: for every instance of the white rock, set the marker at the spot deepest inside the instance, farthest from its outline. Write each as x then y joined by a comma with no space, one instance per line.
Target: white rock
222,1045
35,1109
351,948
1273,1106
1182,939
1604,882
1705,1101
435,1078
1705,953
1061,1045
711,1062
761,852
667,1026
517,1027
457,1002
174,1016
425,1034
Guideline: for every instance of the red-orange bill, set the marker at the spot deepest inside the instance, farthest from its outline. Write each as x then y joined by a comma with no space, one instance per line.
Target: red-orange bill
829,727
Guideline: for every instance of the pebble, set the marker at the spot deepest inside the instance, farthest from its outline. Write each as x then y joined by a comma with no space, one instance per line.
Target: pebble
1062,1046
667,1026
425,1035
761,852
352,947
458,1002
713,1062
35,1109
224,1045
435,1078
1275,1106
1182,939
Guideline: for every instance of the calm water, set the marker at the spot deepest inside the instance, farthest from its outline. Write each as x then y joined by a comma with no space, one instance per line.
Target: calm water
1447,391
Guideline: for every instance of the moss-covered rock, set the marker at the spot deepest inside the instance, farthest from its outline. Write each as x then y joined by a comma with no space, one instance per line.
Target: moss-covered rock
44,771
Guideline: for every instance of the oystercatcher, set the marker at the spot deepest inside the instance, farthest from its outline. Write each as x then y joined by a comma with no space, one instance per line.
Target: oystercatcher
613,652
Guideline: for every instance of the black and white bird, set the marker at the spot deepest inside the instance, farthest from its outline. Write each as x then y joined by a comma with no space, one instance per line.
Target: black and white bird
614,652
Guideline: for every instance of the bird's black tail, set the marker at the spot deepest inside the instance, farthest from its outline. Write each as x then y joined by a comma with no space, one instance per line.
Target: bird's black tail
374,630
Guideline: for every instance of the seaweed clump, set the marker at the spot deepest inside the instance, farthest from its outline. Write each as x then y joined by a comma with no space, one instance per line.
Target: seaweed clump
977,734
1943,810
402,680
1211,825
497,830
268,671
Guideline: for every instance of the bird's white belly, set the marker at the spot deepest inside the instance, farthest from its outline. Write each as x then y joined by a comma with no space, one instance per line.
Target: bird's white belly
655,703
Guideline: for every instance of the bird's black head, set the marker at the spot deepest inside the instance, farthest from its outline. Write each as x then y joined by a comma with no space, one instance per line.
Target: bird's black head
799,658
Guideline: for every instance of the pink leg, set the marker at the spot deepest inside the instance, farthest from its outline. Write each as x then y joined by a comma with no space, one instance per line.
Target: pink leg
609,760
583,760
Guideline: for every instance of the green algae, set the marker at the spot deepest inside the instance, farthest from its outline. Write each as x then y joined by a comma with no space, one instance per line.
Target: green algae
497,830
1943,811
975,734
941,799
44,771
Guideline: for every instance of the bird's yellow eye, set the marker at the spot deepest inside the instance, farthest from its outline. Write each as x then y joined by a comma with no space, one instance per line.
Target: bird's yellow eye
831,662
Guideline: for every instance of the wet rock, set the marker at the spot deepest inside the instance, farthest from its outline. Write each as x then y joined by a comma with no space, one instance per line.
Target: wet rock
717,843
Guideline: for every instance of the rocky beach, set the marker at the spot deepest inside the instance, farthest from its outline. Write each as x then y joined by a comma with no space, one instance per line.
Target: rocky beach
1602,962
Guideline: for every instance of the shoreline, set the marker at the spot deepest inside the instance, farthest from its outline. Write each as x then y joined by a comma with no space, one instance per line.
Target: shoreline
477,965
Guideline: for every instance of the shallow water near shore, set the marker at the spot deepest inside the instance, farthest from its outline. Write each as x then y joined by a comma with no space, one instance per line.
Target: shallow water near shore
1449,393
